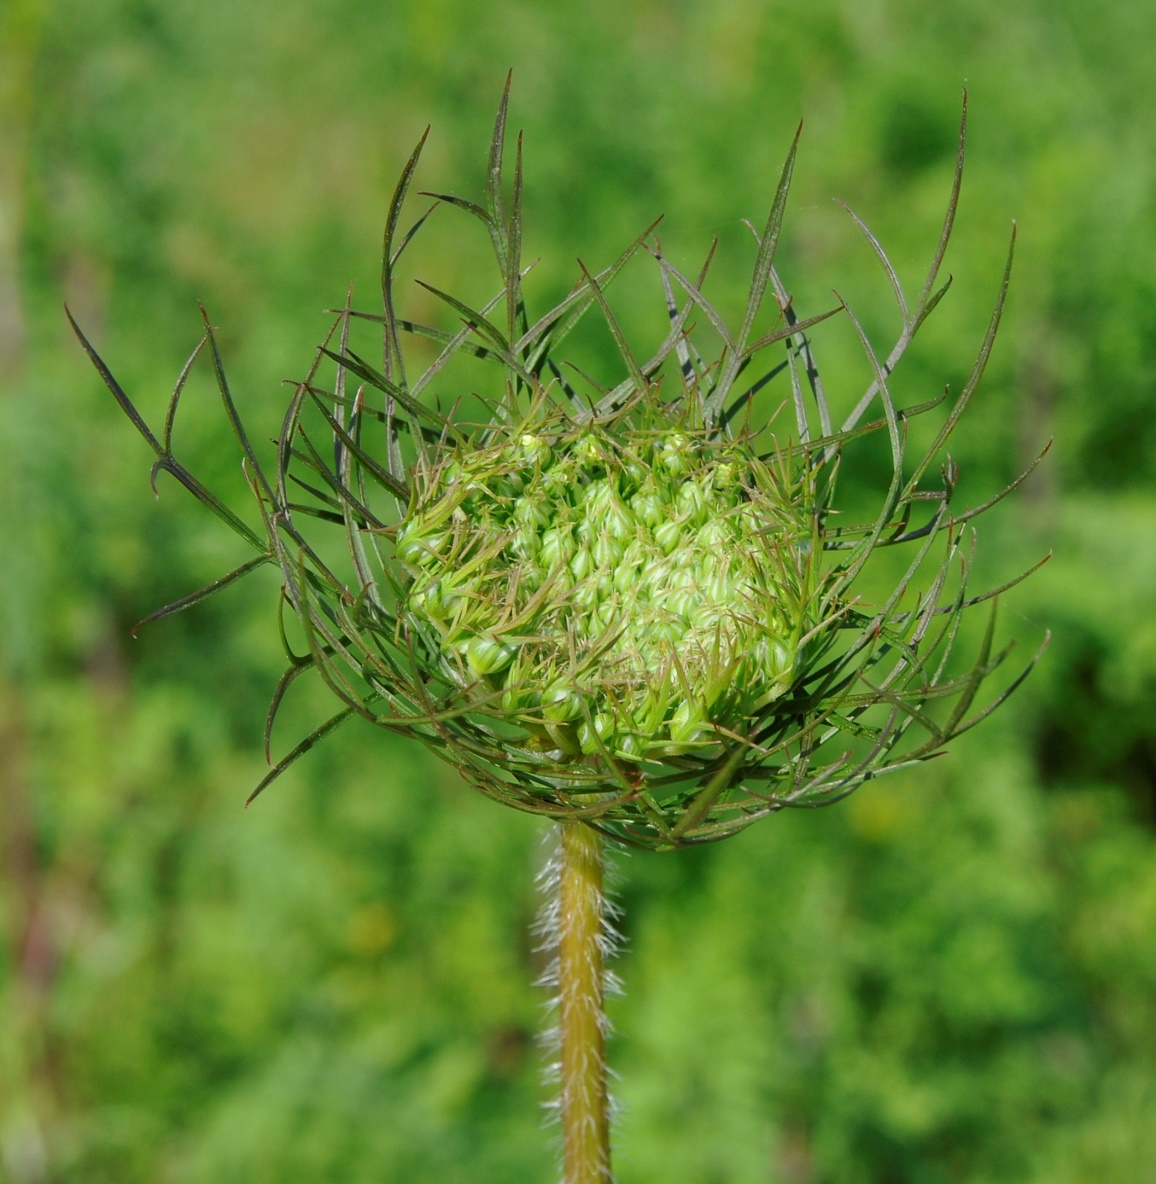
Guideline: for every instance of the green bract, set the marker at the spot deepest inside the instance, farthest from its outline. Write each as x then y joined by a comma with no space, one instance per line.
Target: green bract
614,602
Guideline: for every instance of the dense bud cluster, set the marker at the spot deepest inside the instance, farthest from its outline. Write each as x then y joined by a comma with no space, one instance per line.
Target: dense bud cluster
625,591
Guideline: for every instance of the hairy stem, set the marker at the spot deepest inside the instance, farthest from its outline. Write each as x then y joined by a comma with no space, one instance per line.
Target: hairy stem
581,1014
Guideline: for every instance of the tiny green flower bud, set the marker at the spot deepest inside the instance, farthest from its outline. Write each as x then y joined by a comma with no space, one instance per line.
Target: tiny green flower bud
409,546
556,547
626,576
580,562
561,703
691,499
618,522
597,496
601,735
535,449
487,656
587,451
714,535
649,508
585,595
525,543
674,453
687,724
607,551
681,601
450,475
531,511
634,470
668,534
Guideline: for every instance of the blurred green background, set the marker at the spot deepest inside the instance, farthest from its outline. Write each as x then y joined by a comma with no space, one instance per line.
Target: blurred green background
951,977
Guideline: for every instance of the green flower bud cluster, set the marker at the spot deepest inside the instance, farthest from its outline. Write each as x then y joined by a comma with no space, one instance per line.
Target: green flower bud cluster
633,592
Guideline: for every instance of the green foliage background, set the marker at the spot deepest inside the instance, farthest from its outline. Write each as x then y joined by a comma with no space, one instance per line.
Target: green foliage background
950,978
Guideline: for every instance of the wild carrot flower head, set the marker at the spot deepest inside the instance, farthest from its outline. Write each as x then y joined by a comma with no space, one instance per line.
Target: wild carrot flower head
625,603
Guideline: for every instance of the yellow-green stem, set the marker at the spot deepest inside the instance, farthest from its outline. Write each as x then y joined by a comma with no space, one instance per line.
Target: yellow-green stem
581,1014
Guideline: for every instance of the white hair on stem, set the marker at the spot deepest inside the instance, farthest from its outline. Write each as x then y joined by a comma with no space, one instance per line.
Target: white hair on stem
576,929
